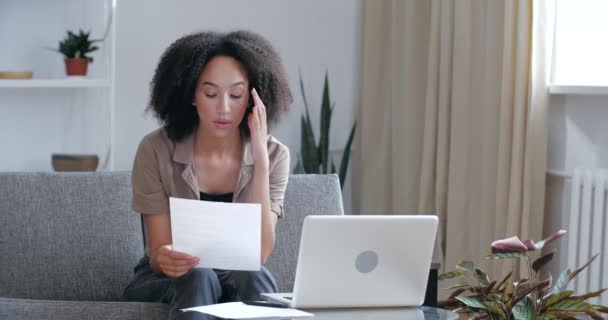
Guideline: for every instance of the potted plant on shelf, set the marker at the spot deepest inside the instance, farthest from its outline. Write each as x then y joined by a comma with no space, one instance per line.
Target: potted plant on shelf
531,298
75,49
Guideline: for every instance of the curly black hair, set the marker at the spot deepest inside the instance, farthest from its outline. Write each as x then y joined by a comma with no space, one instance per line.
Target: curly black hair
174,83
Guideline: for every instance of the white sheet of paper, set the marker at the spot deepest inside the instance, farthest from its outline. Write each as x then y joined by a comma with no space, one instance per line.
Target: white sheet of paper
239,310
222,235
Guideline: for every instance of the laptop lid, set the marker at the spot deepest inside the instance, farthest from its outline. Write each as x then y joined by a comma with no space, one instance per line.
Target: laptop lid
364,261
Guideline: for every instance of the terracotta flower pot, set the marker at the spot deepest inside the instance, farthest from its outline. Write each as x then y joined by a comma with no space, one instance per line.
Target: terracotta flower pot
76,66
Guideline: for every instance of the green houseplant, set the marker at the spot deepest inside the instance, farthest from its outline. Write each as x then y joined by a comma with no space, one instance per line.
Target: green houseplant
530,298
314,157
76,48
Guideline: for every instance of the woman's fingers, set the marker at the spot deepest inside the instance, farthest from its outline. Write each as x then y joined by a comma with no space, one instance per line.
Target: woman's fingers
172,268
181,262
256,99
261,108
181,255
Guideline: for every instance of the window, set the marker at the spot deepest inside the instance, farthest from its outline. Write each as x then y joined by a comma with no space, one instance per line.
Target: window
580,51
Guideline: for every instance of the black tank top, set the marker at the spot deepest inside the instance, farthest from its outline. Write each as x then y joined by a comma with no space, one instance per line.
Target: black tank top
226,197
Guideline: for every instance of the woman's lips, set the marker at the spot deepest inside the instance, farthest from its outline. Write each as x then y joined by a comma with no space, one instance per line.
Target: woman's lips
222,124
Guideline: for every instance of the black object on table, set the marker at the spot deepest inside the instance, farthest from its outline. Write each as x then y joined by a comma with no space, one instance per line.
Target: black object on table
430,297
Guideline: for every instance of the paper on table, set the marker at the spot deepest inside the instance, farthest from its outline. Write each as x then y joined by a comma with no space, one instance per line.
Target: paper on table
239,310
222,235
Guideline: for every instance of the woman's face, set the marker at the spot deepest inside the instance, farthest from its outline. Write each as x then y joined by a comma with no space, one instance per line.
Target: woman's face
221,96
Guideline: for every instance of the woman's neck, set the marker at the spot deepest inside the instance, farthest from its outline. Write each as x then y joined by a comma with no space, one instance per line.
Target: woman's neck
206,145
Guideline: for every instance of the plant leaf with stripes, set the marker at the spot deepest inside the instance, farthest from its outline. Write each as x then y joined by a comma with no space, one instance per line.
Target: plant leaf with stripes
506,255
451,274
557,298
482,277
466,266
562,282
472,302
572,305
524,310
458,286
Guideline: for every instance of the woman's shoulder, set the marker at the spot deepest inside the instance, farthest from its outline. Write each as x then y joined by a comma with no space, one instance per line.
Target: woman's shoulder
276,149
157,142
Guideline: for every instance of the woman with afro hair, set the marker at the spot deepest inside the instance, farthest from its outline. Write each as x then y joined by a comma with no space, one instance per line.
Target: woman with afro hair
216,95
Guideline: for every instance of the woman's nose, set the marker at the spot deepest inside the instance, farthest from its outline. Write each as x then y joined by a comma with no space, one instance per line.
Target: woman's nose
224,106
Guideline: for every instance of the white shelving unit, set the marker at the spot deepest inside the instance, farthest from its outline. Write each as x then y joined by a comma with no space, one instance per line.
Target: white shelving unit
56,83
50,90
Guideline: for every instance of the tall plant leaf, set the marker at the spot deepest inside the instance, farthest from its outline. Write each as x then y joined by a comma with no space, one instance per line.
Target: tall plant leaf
346,156
326,111
308,148
299,169
303,94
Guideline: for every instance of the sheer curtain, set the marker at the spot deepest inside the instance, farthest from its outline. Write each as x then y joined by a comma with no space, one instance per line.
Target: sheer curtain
452,115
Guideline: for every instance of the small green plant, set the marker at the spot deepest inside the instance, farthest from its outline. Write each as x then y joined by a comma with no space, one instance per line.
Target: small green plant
77,45
314,157
525,299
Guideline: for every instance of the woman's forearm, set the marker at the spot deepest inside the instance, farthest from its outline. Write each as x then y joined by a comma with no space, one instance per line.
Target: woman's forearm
261,194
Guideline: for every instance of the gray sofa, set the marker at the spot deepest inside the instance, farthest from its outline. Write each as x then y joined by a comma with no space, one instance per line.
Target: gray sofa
69,241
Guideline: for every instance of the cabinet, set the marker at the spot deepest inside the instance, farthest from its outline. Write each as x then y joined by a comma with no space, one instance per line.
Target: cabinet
52,113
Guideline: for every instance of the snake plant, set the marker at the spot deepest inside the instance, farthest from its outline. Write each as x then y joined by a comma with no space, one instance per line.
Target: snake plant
314,156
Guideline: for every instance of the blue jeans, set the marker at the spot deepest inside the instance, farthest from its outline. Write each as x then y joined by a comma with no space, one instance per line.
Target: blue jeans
197,288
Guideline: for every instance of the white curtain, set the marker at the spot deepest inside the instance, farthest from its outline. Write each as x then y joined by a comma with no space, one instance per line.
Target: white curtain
452,114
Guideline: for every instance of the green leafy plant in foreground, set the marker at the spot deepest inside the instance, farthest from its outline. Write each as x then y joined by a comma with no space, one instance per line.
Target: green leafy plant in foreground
524,299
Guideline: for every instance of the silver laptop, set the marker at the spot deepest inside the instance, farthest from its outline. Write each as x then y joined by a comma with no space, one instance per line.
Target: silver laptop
362,261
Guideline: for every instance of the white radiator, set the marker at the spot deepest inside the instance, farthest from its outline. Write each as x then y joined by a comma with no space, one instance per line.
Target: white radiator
587,231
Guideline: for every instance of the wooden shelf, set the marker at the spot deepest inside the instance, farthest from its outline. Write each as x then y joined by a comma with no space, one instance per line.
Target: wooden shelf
55,83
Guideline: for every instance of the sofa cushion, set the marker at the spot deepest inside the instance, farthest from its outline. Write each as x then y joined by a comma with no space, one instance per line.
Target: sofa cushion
67,236
88,310
305,195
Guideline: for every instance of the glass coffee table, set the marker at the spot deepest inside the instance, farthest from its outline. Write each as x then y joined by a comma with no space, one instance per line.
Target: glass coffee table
419,313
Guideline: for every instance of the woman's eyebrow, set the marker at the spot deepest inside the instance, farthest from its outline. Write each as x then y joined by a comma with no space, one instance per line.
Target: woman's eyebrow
240,83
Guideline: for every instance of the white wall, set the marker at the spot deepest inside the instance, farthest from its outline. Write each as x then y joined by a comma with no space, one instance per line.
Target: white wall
313,35
35,122
578,137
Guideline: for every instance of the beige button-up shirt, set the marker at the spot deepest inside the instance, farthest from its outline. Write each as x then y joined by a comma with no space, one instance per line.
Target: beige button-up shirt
164,168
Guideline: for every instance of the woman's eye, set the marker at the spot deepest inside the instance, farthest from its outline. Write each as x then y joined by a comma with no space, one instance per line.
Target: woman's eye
235,97
211,95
